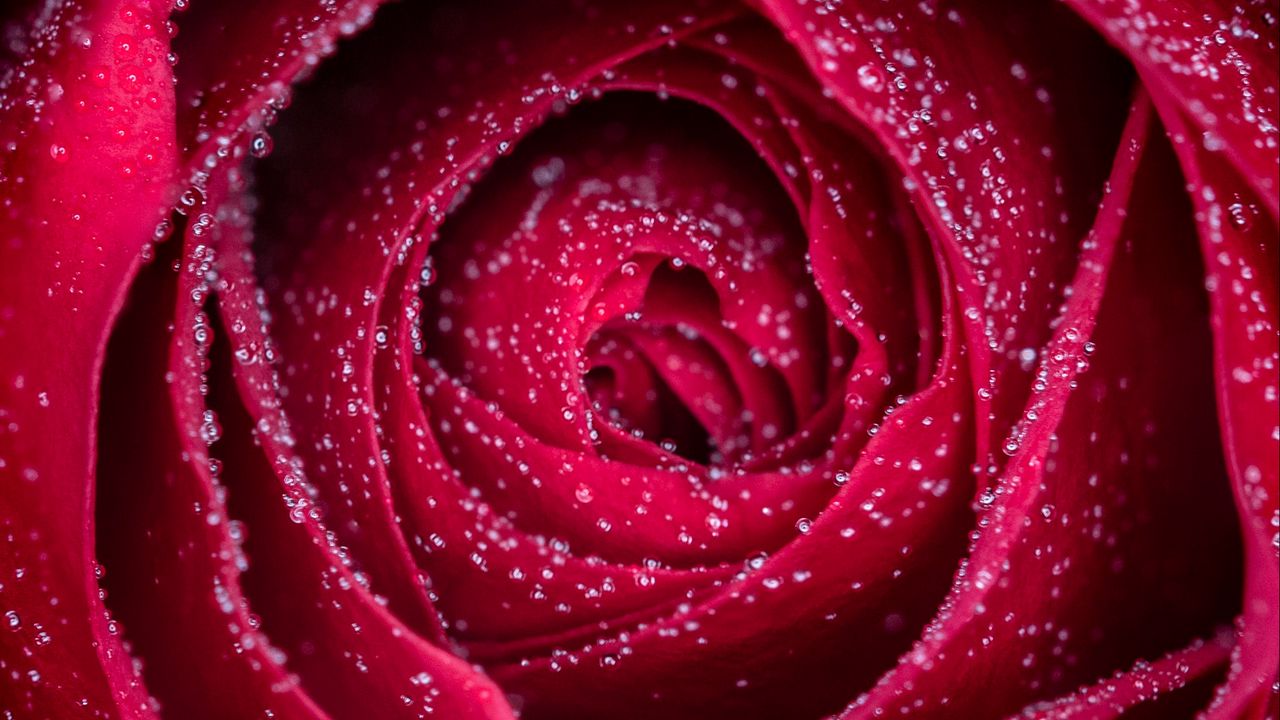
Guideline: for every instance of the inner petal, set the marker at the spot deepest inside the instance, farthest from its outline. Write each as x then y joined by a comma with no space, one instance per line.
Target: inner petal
634,211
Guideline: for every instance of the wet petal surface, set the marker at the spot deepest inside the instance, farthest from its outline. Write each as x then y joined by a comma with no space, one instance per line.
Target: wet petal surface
571,359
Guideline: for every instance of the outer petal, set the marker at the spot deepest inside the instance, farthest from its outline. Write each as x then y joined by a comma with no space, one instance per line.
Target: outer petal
1086,528
1212,69
1217,63
1157,687
87,136
1239,243
170,552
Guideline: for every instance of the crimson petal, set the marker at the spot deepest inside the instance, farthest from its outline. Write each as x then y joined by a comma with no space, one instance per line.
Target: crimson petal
88,142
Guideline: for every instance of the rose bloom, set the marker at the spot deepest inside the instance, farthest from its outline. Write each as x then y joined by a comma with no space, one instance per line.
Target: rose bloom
671,359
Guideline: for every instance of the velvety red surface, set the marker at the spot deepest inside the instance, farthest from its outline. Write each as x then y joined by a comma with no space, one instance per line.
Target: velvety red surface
576,359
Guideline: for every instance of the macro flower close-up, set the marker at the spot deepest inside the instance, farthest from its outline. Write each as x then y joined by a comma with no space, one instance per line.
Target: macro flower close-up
680,359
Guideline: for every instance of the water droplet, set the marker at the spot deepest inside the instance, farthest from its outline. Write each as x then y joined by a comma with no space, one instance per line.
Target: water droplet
210,430
260,146
1240,216
871,78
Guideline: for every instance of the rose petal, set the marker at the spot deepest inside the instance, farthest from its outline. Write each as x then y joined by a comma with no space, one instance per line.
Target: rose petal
1217,62
1239,244
1094,494
163,537
88,140
351,653
1007,210
1153,686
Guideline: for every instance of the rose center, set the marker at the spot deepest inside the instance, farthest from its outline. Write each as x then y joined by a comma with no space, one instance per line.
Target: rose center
632,282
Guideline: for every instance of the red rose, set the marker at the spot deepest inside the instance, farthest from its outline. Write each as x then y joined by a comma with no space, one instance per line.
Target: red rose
670,359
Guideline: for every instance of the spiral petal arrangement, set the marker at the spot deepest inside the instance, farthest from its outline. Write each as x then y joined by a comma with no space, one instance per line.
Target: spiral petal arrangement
578,359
